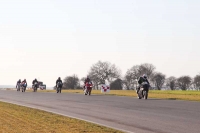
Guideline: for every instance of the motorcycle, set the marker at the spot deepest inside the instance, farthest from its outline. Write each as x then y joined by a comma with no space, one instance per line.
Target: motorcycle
59,87
18,87
35,86
143,92
23,87
88,88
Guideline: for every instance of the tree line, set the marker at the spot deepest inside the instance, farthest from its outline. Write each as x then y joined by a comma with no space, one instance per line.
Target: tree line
106,72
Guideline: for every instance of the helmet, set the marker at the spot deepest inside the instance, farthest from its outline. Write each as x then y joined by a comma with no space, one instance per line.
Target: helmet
144,76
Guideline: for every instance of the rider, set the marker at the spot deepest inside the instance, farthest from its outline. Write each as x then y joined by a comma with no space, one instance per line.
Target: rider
86,80
18,82
58,80
24,82
141,80
35,81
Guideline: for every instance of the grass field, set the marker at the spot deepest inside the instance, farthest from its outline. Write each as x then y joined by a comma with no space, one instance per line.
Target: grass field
164,94
18,119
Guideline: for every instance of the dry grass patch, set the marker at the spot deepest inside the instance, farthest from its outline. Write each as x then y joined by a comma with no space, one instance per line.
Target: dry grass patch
181,95
18,119
164,94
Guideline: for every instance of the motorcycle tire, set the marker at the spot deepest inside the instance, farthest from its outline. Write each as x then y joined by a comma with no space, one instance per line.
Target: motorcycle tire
140,94
146,95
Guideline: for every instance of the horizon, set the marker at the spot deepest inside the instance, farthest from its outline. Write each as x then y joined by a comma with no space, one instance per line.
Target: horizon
51,39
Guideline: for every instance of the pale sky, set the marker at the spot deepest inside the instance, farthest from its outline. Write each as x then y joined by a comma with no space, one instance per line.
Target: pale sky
46,39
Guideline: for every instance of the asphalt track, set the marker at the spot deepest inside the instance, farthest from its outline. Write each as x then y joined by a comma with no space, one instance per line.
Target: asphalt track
124,113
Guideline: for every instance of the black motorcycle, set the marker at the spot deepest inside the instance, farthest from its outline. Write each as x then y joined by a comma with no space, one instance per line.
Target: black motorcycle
35,86
59,87
144,90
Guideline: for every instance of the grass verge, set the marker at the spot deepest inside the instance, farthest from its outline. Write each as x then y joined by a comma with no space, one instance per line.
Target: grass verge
164,94
18,119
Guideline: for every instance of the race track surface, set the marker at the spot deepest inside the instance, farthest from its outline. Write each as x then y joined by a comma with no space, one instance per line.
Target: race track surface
125,113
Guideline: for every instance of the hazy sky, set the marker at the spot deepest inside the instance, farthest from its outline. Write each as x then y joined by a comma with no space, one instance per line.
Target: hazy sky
50,38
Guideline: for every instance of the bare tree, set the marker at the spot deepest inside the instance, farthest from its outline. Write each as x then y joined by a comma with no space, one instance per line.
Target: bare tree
82,79
184,82
171,82
135,72
159,80
147,69
197,82
102,71
130,77
71,82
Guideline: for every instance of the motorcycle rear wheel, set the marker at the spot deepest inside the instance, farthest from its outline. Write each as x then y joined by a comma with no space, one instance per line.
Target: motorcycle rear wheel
145,95
140,95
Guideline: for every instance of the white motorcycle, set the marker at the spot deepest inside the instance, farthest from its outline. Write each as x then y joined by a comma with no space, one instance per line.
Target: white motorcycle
18,87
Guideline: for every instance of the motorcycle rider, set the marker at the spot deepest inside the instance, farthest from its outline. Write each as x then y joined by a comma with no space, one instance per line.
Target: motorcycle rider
35,81
141,80
23,83
86,80
18,82
57,81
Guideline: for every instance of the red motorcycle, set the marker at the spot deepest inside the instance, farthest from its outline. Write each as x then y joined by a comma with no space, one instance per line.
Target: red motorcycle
88,88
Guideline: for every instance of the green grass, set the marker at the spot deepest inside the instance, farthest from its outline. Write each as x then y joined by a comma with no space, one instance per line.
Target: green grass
18,119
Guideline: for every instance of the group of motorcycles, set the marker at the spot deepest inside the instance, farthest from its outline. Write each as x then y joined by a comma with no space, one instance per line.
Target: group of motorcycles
21,86
143,92
87,88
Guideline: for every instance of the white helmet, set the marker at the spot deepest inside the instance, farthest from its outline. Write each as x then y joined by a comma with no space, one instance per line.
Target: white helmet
144,76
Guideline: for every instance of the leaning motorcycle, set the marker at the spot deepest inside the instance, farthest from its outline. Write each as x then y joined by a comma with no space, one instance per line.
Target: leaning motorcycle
35,86
144,90
59,87
18,87
23,87
88,88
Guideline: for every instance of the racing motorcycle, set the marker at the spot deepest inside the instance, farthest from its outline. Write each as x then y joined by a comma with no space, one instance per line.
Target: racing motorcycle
59,87
23,87
88,88
18,87
143,92
35,86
